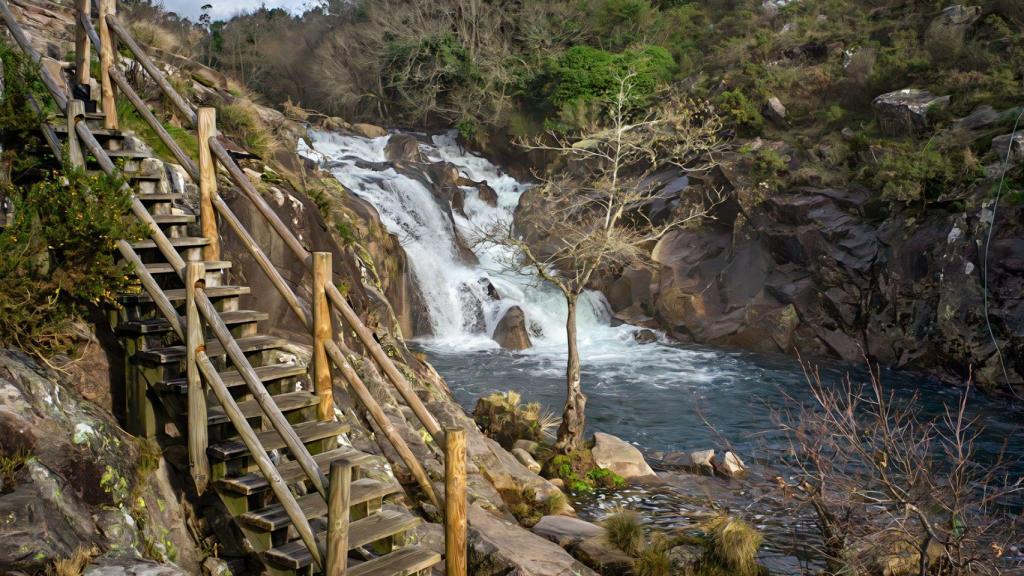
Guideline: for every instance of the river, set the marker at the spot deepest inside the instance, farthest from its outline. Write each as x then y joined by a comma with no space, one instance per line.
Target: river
660,396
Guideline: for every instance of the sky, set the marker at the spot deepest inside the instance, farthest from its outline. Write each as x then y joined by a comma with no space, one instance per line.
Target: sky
223,9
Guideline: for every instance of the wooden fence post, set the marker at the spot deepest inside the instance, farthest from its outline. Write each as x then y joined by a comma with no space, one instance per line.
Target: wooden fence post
455,521
83,46
338,506
195,274
107,8
207,128
322,332
75,111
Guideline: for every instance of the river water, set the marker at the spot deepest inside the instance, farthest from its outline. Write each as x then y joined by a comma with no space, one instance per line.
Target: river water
660,396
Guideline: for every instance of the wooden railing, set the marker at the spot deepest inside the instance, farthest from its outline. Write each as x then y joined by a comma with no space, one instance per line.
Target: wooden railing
200,310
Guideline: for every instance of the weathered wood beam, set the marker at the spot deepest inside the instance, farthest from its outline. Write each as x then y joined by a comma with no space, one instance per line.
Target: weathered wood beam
322,332
338,516
199,465
207,129
455,519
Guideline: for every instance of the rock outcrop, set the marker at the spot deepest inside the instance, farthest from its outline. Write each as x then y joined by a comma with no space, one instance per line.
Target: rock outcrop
511,332
905,112
619,456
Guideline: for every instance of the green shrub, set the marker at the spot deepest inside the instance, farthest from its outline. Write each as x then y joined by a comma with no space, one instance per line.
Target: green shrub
57,257
584,74
19,122
735,106
908,175
624,530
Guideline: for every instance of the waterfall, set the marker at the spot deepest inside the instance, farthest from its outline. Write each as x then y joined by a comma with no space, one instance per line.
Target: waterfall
461,312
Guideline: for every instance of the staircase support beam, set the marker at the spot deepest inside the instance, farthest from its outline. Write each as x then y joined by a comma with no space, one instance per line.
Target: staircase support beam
107,56
207,129
455,520
198,434
338,517
83,45
322,332
75,113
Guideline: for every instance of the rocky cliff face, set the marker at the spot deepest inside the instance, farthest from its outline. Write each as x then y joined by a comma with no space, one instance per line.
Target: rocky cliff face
833,271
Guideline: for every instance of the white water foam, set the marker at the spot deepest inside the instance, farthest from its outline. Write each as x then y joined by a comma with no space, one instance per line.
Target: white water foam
453,292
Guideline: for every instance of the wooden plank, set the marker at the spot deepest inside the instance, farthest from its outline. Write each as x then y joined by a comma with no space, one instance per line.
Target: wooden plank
288,402
183,242
455,519
258,451
295,555
165,268
274,517
206,129
409,560
107,55
338,505
233,379
177,353
178,294
271,440
255,483
83,45
159,325
322,332
195,275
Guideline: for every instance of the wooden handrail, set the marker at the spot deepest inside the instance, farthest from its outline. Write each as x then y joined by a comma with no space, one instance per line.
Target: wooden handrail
151,68
261,259
381,419
225,159
163,303
267,468
260,394
382,359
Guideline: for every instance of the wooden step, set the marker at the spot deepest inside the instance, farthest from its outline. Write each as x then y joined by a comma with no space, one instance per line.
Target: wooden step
255,483
178,294
128,154
174,218
408,560
160,197
166,268
213,348
271,440
233,378
145,176
295,555
97,132
159,325
288,402
313,505
184,242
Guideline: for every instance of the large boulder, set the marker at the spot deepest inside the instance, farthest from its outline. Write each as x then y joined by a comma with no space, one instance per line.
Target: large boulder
498,547
566,531
905,112
1009,148
511,332
619,456
369,130
403,148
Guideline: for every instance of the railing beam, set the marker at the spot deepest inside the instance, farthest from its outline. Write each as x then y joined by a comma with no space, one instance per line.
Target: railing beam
107,55
195,277
322,332
455,520
338,516
207,129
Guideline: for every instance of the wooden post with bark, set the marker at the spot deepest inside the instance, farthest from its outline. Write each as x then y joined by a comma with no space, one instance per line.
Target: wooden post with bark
83,46
206,129
107,8
338,505
322,332
195,274
455,521
75,113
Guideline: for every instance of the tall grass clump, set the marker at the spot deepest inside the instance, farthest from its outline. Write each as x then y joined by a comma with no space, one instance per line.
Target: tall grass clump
733,544
624,530
241,121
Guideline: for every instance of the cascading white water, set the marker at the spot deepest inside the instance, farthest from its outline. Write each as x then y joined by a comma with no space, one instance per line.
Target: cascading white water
455,293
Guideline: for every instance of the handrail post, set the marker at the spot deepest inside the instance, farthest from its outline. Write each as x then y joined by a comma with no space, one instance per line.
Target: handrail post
338,505
195,274
206,129
83,46
107,8
322,332
75,113
455,522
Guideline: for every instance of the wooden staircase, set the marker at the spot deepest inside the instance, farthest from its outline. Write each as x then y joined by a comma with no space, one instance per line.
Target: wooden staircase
259,423
157,389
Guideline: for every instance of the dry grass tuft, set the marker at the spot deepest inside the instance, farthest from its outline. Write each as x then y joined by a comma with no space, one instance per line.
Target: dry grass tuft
624,531
733,544
241,121
73,565
155,36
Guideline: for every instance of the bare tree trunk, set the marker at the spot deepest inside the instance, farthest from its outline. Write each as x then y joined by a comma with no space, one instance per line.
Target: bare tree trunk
570,432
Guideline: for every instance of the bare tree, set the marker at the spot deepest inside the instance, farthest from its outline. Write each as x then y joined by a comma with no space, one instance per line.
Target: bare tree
597,218
894,491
